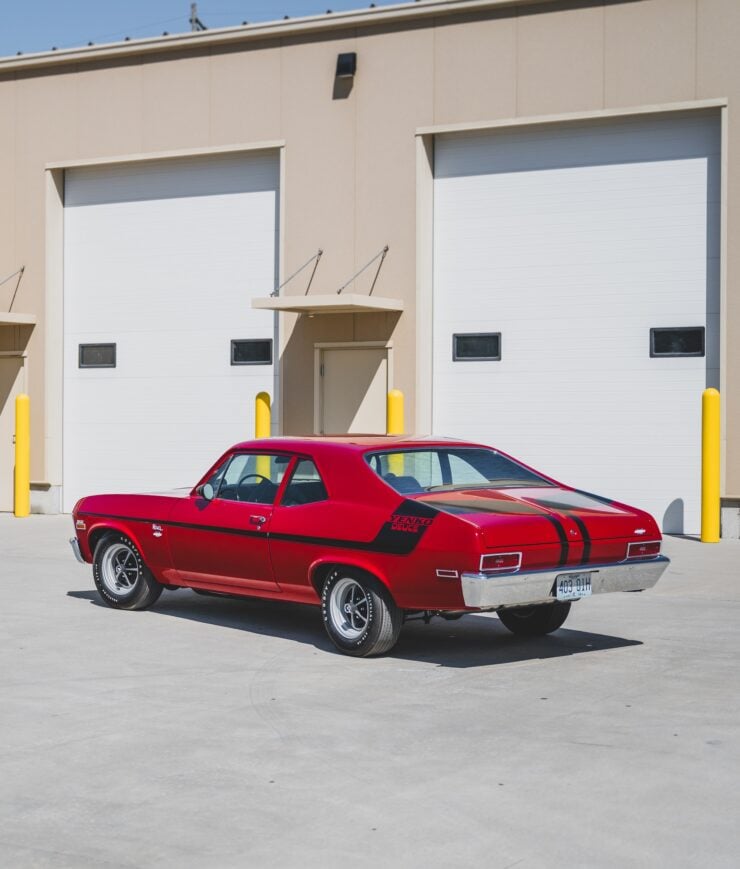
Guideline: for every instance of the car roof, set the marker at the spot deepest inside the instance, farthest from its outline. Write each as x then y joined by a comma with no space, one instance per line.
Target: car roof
356,443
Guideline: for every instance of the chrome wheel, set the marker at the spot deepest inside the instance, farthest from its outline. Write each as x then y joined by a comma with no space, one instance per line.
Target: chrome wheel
349,609
359,613
119,569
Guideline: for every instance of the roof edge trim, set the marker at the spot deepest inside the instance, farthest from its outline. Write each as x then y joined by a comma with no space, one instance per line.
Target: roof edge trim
250,32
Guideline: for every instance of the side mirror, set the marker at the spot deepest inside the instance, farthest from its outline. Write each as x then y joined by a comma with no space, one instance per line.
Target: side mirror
206,491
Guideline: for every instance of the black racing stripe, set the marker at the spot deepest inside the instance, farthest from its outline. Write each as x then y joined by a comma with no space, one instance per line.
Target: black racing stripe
564,546
586,537
389,540
240,532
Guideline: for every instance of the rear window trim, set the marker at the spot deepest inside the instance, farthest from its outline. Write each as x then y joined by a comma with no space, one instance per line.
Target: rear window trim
444,460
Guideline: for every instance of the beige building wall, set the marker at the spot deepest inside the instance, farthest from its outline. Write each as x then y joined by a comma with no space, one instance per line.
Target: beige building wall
350,156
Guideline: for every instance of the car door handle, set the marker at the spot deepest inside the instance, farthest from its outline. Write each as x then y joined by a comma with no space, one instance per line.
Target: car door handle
258,520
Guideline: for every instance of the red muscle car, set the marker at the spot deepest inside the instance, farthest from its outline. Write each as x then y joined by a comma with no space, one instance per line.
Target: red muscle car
374,530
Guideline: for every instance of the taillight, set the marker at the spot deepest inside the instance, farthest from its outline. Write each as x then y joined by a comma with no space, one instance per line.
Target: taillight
502,562
646,549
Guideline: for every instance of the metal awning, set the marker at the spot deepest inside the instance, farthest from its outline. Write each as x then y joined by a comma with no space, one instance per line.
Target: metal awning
17,319
331,303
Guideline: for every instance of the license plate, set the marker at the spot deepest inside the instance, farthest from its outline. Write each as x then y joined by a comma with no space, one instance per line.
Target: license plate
571,586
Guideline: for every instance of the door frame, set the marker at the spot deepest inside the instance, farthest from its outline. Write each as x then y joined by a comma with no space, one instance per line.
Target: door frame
343,345
23,356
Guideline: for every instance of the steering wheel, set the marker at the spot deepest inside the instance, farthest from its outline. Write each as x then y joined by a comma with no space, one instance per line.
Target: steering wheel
246,477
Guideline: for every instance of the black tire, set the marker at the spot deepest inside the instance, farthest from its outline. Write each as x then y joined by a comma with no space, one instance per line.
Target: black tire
371,626
122,579
534,621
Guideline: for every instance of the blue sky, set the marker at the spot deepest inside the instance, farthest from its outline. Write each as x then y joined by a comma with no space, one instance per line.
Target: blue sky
37,25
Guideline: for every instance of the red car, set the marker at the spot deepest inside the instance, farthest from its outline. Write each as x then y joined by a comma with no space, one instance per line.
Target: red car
374,530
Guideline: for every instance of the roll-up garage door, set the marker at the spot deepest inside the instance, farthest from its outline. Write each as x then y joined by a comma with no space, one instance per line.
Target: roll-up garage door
579,267
161,260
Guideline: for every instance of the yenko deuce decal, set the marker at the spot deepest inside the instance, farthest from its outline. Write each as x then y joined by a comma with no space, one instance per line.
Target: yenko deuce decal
406,528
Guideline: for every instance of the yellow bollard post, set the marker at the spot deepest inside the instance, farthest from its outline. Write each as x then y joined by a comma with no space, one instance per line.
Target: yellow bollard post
262,430
262,415
22,493
395,412
710,470
395,426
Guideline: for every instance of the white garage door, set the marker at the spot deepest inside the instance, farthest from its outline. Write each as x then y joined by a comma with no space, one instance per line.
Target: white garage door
573,242
161,259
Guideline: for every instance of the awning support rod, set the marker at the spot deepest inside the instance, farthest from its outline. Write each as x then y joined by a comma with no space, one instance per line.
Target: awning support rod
315,260
381,255
18,283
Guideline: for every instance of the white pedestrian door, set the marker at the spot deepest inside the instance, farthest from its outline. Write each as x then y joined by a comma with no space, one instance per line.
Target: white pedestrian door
11,385
352,391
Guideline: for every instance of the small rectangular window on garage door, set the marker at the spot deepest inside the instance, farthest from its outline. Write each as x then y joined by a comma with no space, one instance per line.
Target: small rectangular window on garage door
680,341
251,351
97,356
476,347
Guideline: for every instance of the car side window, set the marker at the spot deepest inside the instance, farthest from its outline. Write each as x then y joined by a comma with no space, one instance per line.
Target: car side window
253,477
305,486
409,472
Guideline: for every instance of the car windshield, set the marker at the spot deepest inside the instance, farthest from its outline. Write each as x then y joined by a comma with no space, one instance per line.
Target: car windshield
414,471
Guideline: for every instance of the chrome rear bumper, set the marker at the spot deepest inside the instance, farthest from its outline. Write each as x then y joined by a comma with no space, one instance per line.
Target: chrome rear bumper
525,588
75,544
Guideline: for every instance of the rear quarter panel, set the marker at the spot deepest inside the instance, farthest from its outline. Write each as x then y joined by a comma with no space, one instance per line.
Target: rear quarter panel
379,534
450,545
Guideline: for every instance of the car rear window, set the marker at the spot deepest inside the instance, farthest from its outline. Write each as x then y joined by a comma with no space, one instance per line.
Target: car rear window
413,471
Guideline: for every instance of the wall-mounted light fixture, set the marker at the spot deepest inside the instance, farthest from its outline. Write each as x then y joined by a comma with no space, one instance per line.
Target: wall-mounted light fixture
347,64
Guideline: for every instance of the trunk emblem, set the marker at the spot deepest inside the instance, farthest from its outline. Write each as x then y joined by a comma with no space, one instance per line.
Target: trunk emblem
640,531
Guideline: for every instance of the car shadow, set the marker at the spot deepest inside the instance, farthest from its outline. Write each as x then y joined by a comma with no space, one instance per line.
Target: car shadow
471,641
482,641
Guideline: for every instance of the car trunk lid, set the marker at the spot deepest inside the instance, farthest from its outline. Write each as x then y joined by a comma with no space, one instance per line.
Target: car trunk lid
553,524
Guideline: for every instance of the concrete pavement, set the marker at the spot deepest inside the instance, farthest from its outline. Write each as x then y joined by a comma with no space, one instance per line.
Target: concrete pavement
218,733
